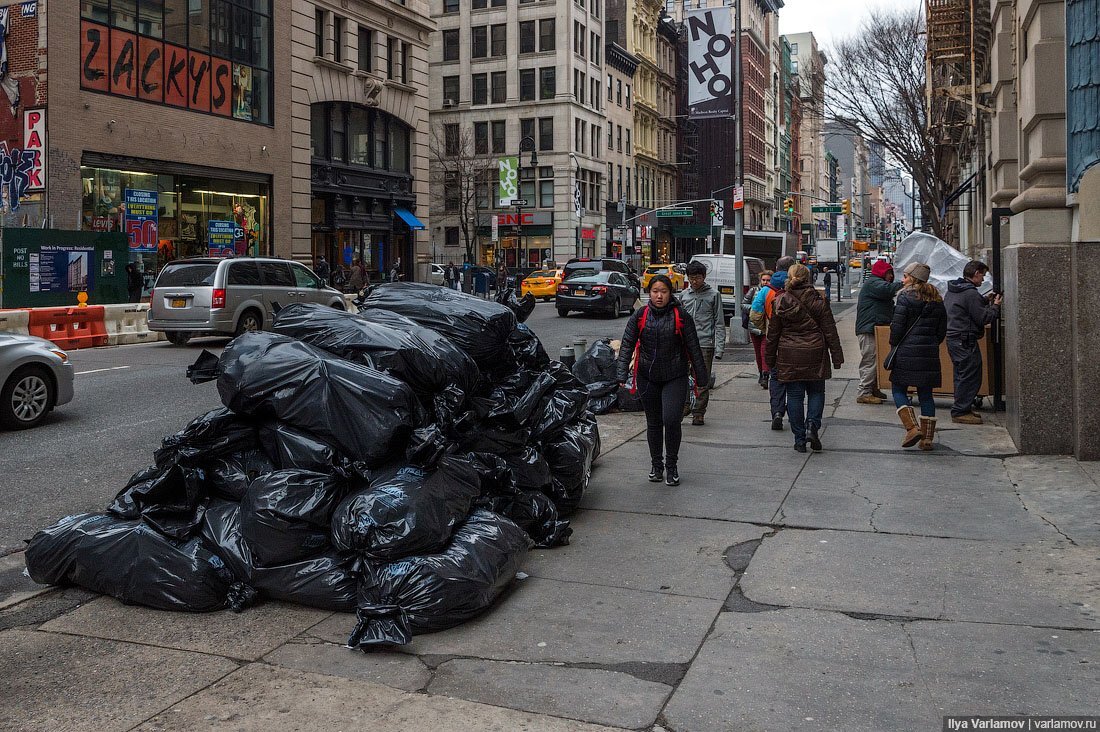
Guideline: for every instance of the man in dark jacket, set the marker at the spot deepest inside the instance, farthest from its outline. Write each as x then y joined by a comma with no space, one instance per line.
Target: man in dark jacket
876,307
968,312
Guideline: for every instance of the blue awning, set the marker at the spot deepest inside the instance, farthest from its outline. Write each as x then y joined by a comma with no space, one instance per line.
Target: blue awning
407,216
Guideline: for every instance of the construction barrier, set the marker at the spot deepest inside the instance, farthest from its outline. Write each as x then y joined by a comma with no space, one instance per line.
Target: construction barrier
15,321
69,328
128,324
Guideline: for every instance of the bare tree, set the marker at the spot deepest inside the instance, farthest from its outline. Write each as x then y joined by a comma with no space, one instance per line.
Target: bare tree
876,88
460,179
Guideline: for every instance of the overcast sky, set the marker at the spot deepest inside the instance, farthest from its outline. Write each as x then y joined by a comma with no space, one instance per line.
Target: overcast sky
829,19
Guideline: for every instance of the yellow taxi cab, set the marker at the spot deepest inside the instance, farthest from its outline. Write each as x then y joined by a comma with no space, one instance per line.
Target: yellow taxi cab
541,283
856,263
672,271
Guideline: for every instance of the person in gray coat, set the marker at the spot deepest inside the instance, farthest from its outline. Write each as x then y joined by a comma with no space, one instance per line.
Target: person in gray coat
968,312
704,304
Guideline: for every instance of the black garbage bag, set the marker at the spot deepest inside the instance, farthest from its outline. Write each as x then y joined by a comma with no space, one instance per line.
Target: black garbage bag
426,447
437,591
285,515
515,399
627,401
327,580
597,364
479,327
406,510
534,512
527,350
603,396
384,341
230,476
495,475
132,562
171,499
363,413
217,433
529,468
289,448
570,457
564,403
521,306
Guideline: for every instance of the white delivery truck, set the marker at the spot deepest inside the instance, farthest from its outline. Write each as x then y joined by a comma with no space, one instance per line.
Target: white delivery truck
721,273
828,253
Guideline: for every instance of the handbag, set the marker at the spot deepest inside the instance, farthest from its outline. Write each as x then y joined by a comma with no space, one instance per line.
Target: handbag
888,363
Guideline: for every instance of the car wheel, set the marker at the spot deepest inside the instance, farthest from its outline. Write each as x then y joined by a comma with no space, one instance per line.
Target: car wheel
617,310
250,321
27,397
177,337
562,312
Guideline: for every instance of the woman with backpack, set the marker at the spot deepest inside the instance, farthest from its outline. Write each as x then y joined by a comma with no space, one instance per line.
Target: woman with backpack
664,346
755,333
916,332
801,338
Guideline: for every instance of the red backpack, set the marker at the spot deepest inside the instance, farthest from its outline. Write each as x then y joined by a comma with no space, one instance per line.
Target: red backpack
638,343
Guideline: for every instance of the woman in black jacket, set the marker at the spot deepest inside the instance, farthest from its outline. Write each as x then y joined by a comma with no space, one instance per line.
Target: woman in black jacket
662,340
917,357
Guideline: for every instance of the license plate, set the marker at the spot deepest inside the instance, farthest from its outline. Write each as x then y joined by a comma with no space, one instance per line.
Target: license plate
579,293
179,302
725,290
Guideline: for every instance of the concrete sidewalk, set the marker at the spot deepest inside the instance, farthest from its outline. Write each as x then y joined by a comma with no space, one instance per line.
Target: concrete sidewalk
865,587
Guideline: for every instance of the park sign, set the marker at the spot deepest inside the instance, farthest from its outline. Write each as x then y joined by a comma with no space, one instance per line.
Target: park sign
674,213
508,189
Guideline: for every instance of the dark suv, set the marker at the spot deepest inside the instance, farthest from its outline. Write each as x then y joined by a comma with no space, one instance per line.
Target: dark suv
593,266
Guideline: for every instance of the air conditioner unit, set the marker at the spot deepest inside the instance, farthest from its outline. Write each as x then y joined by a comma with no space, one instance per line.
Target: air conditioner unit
448,103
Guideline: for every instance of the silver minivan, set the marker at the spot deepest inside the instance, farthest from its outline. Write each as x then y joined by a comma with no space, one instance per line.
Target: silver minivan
201,296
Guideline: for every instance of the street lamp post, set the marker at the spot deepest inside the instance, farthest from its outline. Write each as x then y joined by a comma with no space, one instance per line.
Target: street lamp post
578,207
519,209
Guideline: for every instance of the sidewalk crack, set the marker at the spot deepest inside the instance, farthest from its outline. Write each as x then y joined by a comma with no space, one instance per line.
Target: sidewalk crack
1041,517
916,664
876,505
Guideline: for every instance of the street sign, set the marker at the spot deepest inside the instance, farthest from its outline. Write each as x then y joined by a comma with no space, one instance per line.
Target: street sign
826,208
738,198
519,202
670,213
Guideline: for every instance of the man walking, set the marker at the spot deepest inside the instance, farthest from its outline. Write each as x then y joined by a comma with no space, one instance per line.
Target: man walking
760,315
876,307
322,269
827,281
452,276
968,312
704,304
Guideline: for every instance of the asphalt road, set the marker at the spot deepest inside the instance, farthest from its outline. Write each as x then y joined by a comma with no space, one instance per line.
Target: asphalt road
127,399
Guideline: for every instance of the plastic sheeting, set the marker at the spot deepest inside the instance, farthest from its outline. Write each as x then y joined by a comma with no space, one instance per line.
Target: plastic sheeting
438,591
945,262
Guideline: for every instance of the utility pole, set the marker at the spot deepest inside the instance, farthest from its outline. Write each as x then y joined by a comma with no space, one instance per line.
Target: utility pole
739,335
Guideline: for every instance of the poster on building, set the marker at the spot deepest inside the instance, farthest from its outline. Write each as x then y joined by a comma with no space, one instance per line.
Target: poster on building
710,63
242,92
221,238
61,269
22,117
509,180
141,220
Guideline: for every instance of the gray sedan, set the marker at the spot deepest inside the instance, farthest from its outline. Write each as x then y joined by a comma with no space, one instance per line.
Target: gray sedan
35,377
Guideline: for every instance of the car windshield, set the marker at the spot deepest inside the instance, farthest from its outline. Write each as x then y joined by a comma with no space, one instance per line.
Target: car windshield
657,269
187,274
580,272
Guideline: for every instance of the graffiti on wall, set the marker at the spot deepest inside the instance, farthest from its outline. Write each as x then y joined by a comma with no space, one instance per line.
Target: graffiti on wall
22,106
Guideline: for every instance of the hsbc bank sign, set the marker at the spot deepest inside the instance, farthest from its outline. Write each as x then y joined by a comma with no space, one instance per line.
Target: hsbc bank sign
527,218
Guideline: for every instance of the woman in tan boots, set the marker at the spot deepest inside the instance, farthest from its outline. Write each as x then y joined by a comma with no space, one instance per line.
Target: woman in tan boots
916,332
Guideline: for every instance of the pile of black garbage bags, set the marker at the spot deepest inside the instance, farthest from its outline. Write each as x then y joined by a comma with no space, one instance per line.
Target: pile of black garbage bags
399,463
596,370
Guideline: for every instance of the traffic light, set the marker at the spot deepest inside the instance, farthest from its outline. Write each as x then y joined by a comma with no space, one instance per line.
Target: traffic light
788,205
846,206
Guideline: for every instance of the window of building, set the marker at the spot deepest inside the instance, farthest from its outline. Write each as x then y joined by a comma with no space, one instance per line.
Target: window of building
450,89
359,136
480,44
546,193
527,85
619,192
629,149
596,7
450,236
595,93
546,133
481,138
627,96
481,89
794,49
610,133
499,84
479,4
499,35
406,52
609,88
578,39
619,92
498,136
451,188
548,86
546,34
794,66
450,45
527,36
366,49
318,30
527,128
451,139
393,69
595,141
450,6
619,138
578,136
595,46
338,26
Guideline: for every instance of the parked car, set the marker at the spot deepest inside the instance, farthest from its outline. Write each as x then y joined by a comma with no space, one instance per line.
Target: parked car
203,296
35,377
438,275
671,271
541,283
608,264
599,292
721,271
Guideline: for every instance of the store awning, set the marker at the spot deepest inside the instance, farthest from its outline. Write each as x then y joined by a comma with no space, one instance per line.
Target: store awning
407,216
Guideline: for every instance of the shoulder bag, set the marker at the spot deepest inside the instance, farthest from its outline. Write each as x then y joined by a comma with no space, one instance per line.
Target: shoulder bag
888,364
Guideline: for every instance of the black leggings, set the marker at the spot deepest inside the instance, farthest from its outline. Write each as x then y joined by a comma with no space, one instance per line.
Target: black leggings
664,409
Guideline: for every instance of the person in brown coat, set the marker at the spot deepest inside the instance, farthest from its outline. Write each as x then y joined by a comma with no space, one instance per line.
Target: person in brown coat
801,339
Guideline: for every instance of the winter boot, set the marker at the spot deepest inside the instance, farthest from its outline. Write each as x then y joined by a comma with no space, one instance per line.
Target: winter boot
927,432
909,422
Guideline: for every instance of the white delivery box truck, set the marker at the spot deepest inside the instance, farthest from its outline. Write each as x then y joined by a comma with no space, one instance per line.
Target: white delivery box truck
828,253
721,274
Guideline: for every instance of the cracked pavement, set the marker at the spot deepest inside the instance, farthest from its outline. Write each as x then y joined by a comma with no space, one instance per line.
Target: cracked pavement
862,587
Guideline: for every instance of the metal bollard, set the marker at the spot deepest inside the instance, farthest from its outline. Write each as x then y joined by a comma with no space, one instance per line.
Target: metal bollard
567,356
580,345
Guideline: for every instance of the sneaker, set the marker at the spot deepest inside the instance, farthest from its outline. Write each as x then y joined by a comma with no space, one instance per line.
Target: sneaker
657,474
697,420
813,439
968,418
777,422
800,447
673,476
879,394
868,399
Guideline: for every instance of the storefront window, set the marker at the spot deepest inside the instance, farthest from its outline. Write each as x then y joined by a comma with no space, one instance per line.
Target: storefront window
399,148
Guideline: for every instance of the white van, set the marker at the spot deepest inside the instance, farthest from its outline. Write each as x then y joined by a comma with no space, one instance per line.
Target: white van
721,273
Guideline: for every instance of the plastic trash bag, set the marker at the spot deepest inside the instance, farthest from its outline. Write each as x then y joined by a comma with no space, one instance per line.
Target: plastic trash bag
535,513
521,306
130,561
290,448
479,327
327,580
515,399
437,591
603,396
384,341
628,402
406,510
567,401
527,350
529,468
218,432
597,365
170,499
285,515
363,413
570,457
230,476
